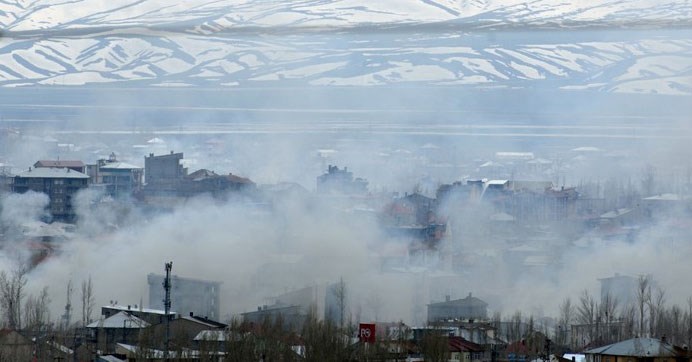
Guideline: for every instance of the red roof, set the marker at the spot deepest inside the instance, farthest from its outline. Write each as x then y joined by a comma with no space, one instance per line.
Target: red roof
459,344
518,347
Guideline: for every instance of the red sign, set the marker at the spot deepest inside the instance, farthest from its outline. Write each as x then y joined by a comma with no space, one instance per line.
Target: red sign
366,333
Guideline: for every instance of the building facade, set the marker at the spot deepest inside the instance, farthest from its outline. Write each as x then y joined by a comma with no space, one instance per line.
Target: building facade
340,181
459,309
196,296
116,178
168,182
60,184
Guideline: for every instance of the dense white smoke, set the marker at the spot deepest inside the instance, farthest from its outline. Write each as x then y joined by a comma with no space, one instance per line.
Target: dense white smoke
18,209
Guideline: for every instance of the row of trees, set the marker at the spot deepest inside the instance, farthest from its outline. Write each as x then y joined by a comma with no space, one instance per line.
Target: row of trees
590,321
586,321
22,311
274,340
648,315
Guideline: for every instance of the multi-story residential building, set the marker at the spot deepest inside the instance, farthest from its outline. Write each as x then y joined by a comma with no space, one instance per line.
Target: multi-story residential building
623,288
167,181
341,181
164,170
115,177
196,296
60,184
459,309
6,178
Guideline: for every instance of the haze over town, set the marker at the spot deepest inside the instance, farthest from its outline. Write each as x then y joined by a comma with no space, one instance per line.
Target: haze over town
514,152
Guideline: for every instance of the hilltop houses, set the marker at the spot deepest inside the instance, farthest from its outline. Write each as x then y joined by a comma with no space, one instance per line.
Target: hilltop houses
341,182
167,181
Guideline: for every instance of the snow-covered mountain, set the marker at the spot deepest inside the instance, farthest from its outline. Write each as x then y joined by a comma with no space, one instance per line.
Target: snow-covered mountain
608,45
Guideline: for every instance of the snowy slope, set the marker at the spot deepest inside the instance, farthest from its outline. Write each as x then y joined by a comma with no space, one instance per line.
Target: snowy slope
495,43
215,14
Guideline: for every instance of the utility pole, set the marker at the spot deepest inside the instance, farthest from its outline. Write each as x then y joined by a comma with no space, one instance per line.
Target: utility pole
167,307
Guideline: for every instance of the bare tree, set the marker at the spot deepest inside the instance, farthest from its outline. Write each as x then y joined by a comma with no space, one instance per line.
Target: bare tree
643,298
241,343
628,316
435,345
676,326
323,340
341,293
656,306
11,294
515,331
87,301
648,180
607,312
375,304
587,313
688,318
565,320
36,312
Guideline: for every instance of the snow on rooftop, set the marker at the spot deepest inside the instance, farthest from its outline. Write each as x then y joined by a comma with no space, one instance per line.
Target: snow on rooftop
120,320
577,357
119,166
666,197
51,172
637,347
586,149
616,213
491,164
514,155
502,216
155,140
211,335
542,161
143,310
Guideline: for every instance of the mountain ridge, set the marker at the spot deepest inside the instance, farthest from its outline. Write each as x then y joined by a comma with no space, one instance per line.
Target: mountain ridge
611,46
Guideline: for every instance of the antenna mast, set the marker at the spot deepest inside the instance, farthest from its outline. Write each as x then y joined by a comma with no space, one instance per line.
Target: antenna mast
68,306
167,306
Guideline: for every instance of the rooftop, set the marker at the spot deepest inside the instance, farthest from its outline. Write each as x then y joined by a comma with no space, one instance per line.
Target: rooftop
119,165
204,321
667,197
211,335
50,172
134,309
615,213
119,320
514,155
469,300
637,347
59,163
